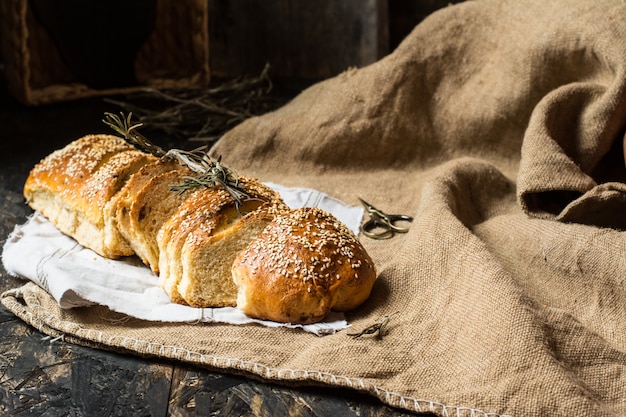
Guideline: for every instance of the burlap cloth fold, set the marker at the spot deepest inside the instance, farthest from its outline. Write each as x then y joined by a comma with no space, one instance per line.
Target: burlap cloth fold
498,126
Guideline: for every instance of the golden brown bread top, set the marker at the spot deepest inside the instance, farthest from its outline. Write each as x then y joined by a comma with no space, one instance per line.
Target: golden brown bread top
136,183
86,173
303,264
207,203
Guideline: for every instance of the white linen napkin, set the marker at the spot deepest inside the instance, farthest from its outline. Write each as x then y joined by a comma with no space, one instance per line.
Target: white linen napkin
76,276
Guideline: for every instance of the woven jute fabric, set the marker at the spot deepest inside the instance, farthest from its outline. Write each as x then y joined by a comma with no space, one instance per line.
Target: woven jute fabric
498,125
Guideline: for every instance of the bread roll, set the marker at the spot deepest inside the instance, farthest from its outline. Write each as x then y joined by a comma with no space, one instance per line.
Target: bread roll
209,247
170,240
303,265
199,242
118,209
72,187
150,208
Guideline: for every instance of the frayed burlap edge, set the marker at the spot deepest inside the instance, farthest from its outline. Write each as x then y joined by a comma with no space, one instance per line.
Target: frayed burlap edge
25,303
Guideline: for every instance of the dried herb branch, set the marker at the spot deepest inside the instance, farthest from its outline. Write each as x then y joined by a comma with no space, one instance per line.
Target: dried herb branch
202,114
122,125
212,174
377,328
209,172
196,160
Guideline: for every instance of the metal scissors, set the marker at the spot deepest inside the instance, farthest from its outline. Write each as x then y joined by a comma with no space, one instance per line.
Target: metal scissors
382,225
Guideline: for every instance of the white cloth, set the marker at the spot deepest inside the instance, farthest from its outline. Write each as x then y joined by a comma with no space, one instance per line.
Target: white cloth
76,276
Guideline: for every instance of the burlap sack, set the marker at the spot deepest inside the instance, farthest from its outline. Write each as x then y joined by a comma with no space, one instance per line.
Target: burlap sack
496,125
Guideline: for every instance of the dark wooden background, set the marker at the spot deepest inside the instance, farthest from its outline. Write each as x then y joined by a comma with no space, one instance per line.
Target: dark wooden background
308,41
304,42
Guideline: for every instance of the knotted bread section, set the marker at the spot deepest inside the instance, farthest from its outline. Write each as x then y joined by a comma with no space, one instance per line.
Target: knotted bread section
303,265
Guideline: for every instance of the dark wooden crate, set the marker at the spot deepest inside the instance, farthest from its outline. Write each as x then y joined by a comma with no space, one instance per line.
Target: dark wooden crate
42,63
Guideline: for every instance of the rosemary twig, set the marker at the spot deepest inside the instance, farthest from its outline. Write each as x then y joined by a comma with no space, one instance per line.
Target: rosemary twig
123,126
209,175
209,172
197,160
377,328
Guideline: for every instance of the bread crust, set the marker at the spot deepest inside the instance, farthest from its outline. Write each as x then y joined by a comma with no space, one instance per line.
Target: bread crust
303,265
73,185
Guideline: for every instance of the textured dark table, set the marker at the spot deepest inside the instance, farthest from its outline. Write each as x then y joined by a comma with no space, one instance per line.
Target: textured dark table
41,376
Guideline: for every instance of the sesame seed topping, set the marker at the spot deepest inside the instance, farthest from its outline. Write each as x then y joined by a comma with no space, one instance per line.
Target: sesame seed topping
307,244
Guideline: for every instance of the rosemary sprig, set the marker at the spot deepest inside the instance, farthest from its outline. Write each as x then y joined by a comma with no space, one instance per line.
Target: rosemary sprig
197,160
377,328
209,172
123,126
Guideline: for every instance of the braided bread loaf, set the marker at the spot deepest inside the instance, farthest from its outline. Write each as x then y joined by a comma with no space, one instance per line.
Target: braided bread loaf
208,248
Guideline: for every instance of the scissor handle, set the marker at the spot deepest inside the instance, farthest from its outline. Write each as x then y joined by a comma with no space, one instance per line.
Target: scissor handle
393,218
383,222
386,226
369,229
